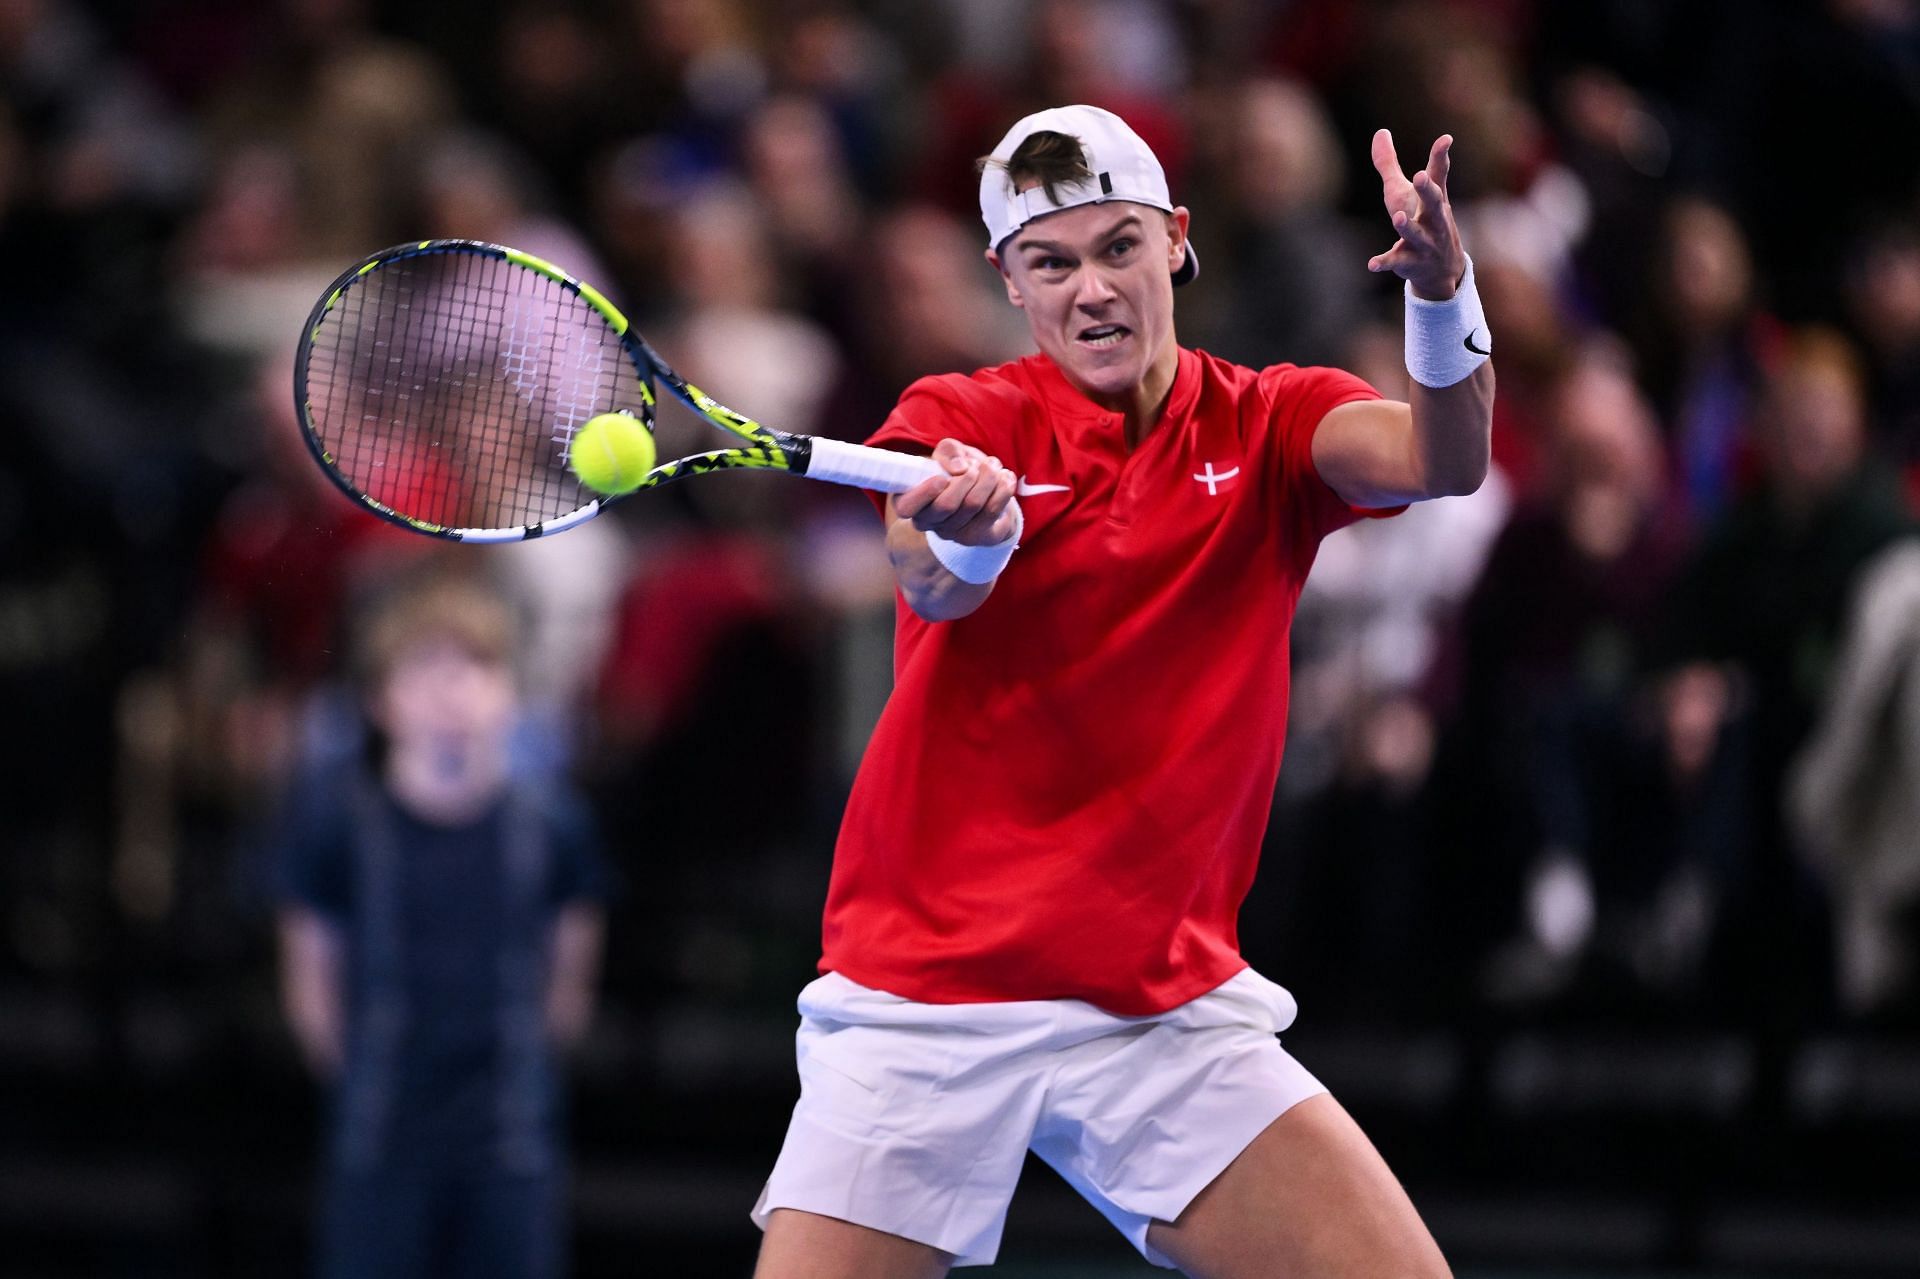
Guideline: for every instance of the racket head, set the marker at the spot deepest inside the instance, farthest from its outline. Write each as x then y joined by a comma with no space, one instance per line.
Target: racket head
439,384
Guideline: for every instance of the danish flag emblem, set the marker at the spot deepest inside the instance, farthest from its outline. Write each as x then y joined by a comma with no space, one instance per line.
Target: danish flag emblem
1216,480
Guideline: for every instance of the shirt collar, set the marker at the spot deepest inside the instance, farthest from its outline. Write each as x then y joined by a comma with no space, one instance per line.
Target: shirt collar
1065,398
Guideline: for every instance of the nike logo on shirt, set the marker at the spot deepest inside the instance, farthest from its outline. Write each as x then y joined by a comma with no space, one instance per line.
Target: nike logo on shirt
1024,489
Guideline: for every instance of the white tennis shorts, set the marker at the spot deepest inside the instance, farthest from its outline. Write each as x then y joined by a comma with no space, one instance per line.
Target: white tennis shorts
915,1118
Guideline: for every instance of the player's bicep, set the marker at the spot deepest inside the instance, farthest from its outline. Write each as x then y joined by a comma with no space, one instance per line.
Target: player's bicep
1367,453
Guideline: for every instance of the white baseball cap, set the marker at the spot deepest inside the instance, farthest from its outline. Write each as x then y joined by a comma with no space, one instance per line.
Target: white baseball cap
1124,168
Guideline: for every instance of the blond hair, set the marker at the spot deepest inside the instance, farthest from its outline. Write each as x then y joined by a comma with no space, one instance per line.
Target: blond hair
470,614
1043,157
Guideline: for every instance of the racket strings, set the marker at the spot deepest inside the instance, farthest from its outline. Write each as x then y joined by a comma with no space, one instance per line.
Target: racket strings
448,386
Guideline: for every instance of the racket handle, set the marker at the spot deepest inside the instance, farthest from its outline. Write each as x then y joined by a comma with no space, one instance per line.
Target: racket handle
882,470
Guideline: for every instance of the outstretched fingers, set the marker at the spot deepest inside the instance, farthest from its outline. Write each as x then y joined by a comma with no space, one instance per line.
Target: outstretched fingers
1386,162
1440,161
1429,194
1427,247
1398,256
1418,232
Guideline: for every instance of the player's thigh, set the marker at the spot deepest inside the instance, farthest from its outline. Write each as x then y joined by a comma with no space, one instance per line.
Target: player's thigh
805,1245
1309,1196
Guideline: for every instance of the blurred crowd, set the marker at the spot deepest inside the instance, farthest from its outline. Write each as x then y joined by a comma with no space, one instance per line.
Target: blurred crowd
1632,734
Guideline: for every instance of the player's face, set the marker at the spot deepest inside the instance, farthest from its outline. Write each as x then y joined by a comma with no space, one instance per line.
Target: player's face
1096,283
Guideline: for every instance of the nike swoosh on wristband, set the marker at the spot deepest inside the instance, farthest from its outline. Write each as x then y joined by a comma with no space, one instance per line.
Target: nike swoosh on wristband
1467,342
1024,489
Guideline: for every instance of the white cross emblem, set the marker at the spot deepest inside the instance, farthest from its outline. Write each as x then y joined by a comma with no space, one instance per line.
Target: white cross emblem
1213,480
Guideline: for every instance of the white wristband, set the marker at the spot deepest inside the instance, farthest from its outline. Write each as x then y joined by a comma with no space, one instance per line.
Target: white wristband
1447,341
978,564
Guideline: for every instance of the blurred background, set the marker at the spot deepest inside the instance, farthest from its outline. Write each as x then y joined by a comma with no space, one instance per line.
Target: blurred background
1595,865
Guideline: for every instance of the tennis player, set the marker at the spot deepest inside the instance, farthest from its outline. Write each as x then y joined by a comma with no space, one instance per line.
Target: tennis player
1030,937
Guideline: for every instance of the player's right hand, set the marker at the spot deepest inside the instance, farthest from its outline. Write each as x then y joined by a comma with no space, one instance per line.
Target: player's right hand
971,504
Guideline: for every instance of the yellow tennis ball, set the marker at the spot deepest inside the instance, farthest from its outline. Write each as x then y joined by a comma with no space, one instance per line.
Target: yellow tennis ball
612,453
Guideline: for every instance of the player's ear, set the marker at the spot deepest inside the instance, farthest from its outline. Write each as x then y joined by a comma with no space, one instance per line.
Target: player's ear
1177,237
1006,278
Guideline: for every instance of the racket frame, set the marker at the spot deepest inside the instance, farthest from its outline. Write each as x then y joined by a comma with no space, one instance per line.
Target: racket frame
766,447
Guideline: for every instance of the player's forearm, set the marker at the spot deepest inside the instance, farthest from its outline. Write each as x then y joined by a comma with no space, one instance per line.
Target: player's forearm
951,535
1453,432
930,590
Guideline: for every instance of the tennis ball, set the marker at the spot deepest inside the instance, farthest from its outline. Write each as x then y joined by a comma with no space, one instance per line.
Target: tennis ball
612,453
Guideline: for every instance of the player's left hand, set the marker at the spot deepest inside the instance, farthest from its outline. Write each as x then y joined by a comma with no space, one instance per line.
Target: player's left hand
1428,254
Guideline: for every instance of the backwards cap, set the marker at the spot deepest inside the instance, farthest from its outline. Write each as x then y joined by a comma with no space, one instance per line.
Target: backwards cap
1124,168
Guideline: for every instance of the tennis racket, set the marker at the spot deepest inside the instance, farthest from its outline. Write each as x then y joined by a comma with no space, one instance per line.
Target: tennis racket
440,383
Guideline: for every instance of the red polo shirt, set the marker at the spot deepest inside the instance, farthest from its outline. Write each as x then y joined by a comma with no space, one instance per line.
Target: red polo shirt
1066,793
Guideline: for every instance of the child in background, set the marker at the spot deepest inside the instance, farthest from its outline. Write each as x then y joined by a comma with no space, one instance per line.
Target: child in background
440,928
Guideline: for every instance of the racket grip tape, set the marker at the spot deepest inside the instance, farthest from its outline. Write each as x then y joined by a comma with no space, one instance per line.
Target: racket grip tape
882,470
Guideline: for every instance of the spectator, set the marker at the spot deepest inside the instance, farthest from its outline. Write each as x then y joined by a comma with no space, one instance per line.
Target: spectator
1296,289
1756,619
559,94
1383,597
1621,147
474,186
1536,337
796,165
440,932
1118,53
696,70
1883,291
734,334
1704,345
245,267
351,104
1557,638
927,305
284,557
831,54
1855,794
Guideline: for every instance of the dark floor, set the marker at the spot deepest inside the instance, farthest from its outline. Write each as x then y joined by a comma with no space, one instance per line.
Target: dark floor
182,1149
